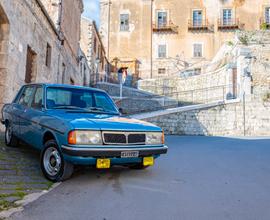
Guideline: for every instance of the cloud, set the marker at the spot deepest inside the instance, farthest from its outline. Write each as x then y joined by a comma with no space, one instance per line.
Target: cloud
91,9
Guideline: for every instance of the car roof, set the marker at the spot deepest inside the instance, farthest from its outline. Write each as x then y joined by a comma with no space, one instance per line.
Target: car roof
66,86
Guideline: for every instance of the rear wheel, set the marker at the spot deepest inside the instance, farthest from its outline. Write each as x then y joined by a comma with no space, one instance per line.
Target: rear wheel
53,165
10,139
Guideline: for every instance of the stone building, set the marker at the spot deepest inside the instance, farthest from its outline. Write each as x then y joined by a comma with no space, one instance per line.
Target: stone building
164,37
93,48
39,43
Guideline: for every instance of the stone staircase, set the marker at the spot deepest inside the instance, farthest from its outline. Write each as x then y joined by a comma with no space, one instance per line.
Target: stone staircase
137,101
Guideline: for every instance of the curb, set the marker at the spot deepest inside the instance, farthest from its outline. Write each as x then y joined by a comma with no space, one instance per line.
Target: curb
25,201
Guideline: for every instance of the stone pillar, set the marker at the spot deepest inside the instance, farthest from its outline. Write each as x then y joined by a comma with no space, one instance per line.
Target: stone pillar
244,72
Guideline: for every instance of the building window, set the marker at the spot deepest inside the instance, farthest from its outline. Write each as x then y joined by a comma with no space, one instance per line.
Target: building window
227,17
95,45
48,55
197,18
31,66
162,19
161,71
267,15
197,50
162,51
124,22
63,73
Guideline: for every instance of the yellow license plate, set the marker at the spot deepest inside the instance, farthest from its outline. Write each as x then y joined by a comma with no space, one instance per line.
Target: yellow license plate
103,163
148,161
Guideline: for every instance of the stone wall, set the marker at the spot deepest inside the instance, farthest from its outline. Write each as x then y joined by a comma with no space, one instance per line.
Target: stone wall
195,89
224,120
249,116
92,46
26,25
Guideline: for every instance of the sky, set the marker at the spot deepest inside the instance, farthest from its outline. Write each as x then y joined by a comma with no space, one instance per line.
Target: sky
91,9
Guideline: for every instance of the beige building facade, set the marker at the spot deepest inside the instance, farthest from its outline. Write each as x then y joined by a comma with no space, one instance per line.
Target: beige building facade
166,36
37,44
93,48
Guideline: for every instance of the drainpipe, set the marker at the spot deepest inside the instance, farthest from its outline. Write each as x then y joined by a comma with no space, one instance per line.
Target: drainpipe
58,26
151,52
108,43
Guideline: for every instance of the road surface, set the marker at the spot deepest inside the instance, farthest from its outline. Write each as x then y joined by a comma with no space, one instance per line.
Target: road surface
202,178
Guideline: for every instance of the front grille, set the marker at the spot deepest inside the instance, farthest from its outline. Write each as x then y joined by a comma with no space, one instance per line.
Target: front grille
115,138
123,138
136,138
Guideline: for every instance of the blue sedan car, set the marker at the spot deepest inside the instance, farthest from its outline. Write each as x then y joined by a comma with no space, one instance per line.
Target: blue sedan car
74,125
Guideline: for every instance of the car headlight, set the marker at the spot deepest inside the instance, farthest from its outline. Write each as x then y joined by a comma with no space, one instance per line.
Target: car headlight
84,137
155,138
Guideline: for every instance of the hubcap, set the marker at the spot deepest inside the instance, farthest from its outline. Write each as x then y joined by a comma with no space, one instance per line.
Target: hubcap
52,161
8,134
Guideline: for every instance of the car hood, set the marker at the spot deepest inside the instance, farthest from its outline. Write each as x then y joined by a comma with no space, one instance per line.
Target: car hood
106,122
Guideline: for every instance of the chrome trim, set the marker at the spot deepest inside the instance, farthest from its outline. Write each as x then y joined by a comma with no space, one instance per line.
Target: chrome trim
124,133
113,149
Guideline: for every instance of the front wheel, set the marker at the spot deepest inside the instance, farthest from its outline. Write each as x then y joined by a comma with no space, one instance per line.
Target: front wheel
53,165
10,139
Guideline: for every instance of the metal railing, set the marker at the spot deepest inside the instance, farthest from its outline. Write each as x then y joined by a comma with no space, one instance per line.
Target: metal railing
196,96
233,23
194,25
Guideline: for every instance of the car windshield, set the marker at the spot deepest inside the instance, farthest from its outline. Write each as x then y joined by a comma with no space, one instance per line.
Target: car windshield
79,99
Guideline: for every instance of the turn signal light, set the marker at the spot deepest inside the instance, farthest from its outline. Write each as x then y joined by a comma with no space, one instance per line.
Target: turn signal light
72,137
163,138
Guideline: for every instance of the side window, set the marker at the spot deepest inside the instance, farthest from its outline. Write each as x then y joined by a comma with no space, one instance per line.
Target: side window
37,101
26,96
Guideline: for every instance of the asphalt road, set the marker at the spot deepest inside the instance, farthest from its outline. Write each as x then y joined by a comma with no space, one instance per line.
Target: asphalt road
202,178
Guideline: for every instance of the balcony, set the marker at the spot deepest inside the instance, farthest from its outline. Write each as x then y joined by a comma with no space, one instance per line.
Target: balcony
200,25
229,24
264,23
170,27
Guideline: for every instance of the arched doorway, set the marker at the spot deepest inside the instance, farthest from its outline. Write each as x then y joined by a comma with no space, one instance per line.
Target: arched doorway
4,42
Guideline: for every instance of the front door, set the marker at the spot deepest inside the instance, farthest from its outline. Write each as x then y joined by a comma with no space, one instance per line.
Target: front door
34,115
23,106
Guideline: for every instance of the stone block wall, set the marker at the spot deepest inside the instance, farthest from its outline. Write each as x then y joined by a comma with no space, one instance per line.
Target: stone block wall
196,89
224,120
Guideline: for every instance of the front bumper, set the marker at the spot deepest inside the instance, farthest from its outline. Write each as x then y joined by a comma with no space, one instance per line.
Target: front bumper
112,151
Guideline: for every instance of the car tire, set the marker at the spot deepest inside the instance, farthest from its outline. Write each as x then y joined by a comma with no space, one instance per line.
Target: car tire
10,139
53,165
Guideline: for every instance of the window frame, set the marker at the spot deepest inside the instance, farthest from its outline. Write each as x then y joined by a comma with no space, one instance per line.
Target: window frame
124,22
163,73
267,14
193,48
48,58
159,53
227,20
195,22
162,23
33,98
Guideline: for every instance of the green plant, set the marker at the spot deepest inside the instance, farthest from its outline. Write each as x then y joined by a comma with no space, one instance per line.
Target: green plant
266,97
244,39
230,43
264,26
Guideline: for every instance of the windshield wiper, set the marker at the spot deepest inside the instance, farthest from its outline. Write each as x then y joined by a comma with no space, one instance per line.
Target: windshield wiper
102,110
68,107
96,109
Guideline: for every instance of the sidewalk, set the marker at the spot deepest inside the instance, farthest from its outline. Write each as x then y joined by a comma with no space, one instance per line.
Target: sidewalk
20,174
